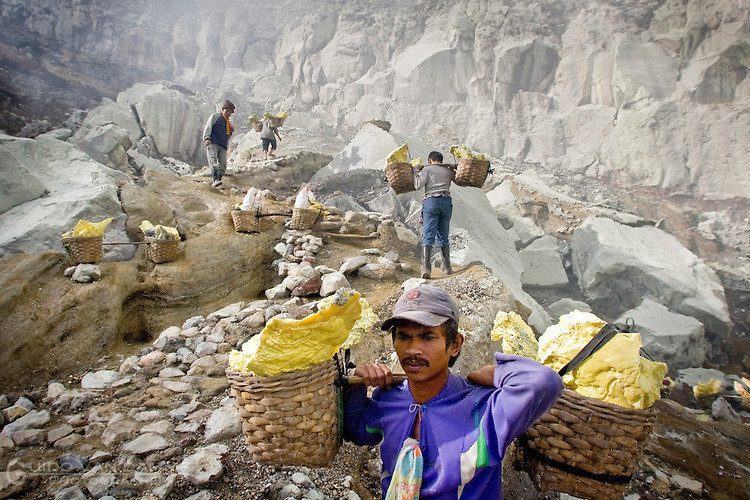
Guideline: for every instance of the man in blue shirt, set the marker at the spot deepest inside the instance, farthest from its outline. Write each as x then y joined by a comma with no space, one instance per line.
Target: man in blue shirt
216,136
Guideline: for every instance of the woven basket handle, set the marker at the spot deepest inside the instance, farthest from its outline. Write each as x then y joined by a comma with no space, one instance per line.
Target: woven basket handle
605,335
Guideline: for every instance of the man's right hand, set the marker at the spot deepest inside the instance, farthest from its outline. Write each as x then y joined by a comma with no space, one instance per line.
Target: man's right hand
375,375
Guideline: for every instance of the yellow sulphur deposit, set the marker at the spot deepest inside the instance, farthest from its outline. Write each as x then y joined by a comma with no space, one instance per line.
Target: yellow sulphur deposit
287,345
399,155
518,337
85,228
616,373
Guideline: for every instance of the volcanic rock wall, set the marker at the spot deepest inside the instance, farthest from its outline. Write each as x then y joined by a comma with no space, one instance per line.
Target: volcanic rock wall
653,92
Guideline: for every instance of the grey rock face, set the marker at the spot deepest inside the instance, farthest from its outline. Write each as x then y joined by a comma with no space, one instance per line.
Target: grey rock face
617,265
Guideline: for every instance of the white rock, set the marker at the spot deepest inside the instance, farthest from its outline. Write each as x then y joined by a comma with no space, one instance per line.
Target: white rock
332,282
86,273
145,443
278,292
205,349
98,381
32,420
192,322
162,427
224,423
227,311
352,264
201,467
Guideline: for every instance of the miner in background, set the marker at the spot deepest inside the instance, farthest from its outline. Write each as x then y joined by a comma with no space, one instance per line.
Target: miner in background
216,136
437,208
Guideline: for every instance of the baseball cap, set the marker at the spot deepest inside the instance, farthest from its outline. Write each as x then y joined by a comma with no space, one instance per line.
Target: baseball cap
426,305
228,105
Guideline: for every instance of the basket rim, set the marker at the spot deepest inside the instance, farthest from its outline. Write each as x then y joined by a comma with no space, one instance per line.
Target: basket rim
81,238
296,374
589,401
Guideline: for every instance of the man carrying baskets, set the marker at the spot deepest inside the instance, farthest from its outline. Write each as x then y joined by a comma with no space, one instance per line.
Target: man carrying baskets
437,208
440,435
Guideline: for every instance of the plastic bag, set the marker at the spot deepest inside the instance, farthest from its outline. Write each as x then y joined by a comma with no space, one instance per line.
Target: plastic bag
251,199
304,198
85,228
287,345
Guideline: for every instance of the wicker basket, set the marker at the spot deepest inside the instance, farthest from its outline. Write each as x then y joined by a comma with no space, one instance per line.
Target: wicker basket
303,218
160,250
586,447
400,177
291,418
246,221
472,172
85,249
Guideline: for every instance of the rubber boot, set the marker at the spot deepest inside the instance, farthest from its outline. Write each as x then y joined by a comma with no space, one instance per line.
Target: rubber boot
445,266
426,262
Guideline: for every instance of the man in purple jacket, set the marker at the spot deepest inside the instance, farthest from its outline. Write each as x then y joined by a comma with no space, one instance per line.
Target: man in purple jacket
439,433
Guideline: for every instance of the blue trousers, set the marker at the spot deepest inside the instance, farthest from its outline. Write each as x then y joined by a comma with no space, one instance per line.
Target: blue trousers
436,216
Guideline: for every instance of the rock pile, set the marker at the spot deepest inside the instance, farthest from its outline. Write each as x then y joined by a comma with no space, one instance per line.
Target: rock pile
160,423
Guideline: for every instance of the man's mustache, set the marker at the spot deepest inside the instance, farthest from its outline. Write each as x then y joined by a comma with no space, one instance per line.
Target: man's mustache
410,360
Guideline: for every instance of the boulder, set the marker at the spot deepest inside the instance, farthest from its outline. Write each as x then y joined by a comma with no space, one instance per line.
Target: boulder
76,188
224,423
171,117
675,339
108,145
618,265
542,264
201,467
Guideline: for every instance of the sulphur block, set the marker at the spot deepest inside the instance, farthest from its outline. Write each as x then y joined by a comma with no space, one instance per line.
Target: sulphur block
399,155
616,373
362,326
287,345
517,337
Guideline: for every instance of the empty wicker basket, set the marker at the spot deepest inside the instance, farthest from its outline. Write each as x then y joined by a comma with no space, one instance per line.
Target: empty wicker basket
303,218
84,249
291,418
160,250
586,447
400,177
472,172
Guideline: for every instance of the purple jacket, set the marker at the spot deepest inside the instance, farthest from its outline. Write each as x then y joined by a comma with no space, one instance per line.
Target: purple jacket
464,429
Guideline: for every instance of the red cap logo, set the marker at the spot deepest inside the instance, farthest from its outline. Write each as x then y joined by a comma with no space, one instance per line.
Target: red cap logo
413,295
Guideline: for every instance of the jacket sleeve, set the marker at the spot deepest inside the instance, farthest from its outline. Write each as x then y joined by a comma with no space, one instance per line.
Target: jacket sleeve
209,125
527,389
361,425
420,178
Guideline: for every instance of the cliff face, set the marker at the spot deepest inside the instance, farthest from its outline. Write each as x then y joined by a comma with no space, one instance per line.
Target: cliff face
653,92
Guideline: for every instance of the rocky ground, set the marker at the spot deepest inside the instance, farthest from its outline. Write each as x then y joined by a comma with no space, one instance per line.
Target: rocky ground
160,423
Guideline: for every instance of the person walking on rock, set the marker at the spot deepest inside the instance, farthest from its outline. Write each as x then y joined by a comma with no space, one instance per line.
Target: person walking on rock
437,208
443,436
216,136
268,136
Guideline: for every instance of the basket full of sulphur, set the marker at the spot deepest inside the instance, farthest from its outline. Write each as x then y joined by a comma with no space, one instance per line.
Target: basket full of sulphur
283,378
589,443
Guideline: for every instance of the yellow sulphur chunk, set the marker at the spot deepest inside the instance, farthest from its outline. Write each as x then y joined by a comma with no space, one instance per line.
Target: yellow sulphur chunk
362,326
160,232
742,392
710,388
462,152
399,155
416,161
518,337
616,373
287,345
